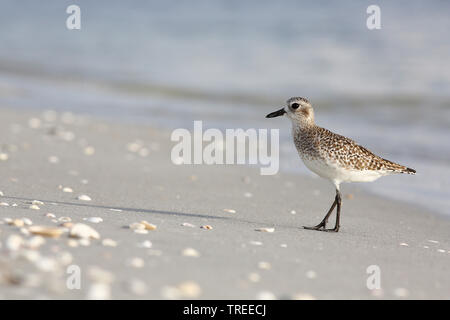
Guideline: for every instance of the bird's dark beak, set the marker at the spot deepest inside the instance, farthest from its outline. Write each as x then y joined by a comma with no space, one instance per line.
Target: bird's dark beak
276,113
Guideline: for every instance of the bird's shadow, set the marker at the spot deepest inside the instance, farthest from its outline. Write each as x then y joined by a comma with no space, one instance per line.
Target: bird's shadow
154,211
137,210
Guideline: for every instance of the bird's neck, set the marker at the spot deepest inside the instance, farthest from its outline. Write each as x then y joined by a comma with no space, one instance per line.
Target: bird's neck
302,127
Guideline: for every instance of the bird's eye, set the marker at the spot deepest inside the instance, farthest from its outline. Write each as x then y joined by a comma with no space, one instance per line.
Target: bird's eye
295,106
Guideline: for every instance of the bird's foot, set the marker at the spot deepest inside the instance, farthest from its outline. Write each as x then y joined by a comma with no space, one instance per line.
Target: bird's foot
319,227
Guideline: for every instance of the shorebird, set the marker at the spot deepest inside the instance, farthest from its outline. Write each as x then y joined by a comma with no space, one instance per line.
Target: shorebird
332,156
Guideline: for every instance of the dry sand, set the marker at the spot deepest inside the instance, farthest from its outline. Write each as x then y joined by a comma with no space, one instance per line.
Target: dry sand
129,182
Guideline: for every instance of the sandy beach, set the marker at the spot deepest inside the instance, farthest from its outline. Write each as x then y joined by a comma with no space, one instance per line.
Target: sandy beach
49,160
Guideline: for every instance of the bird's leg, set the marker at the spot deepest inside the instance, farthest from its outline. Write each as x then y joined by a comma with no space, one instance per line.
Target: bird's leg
322,224
338,200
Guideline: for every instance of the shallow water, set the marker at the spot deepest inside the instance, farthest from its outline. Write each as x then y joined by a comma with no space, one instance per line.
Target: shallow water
229,63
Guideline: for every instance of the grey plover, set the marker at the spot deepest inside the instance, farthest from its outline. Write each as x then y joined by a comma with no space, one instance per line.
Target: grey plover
332,156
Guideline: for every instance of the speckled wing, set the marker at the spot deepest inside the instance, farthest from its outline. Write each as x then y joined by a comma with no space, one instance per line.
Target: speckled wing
350,155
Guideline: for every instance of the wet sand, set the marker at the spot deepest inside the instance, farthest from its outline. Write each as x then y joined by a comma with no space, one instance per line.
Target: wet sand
126,172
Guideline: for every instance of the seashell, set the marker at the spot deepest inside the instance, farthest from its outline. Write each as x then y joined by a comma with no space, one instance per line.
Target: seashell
51,232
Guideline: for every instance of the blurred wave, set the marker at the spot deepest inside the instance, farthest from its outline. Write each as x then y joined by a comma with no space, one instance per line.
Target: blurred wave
142,88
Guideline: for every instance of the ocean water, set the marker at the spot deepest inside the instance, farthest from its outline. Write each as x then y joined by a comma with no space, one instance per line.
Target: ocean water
229,63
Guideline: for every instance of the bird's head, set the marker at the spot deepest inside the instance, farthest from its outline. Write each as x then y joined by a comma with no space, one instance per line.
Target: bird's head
298,109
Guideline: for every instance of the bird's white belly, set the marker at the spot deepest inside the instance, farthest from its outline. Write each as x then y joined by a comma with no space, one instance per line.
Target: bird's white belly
333,172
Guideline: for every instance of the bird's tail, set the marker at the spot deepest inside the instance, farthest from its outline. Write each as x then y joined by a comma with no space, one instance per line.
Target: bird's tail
398,168
410,171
